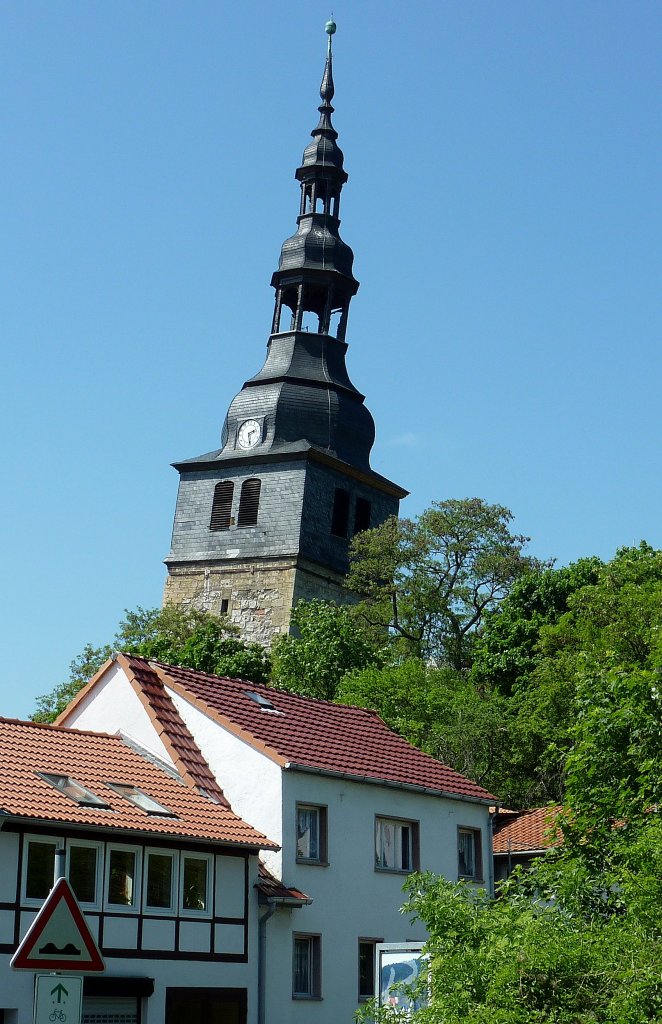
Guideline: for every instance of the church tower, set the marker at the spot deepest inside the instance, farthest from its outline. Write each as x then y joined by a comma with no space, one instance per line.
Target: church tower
267,519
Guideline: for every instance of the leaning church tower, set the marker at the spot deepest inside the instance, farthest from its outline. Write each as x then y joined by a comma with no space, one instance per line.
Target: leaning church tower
267,519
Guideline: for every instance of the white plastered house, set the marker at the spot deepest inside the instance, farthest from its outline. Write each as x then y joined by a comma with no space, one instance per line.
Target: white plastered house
352,806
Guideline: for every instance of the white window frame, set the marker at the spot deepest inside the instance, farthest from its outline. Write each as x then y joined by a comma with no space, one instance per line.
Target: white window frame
397,824
208,859
123,908
99,869
322,834
57,844
171,910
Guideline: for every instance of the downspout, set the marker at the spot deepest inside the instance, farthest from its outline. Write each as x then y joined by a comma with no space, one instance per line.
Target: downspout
490,869
262,960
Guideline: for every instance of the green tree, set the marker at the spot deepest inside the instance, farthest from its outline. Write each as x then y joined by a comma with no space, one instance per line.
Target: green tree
431,581
327,642
439,711
578,938
174,635
508,648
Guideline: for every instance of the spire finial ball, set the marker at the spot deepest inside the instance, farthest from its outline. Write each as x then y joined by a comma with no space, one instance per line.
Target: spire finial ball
330,27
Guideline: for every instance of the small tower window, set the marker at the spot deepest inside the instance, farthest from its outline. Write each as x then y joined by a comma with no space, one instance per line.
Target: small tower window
221,510
249,502
362,515
340,514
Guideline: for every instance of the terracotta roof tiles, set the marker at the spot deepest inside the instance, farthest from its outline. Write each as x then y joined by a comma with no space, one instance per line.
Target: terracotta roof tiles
313,734
519,831
93,760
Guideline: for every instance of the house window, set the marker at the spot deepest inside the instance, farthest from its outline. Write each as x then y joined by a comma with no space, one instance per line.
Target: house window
159,891
249,502
311,834
362,515
396,844
221,510
306,967
469,853
340,514
122,879
82,863
40,868
195,887
367,968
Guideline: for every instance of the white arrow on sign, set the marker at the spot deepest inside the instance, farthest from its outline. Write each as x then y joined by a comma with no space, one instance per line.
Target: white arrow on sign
58,999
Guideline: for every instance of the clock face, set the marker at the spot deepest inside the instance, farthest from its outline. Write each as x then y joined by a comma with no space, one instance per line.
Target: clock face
248,434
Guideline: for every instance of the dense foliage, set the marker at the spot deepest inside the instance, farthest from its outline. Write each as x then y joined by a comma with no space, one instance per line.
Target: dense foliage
578,938
174,635
327,641
431,581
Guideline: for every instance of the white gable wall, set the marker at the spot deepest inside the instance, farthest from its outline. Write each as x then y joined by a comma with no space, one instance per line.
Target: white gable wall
249,779
113,705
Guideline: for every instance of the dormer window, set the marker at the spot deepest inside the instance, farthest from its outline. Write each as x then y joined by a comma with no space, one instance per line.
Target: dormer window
139,799
80,794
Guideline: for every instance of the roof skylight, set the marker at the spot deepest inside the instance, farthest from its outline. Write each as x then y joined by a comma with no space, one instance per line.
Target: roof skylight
139,799
80,794
262,702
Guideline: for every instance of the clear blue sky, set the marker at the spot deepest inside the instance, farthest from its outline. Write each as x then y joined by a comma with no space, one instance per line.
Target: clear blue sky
504,209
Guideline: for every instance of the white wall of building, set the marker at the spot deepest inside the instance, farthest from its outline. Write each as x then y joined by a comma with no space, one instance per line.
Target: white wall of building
249,779
352,900
113,706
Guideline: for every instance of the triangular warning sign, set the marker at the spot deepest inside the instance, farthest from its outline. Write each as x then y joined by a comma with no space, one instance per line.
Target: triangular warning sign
59,939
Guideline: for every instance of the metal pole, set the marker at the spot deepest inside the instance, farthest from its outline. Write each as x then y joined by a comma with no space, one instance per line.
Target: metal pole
60,861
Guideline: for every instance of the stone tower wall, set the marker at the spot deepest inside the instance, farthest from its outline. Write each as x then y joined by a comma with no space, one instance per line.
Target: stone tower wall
260,595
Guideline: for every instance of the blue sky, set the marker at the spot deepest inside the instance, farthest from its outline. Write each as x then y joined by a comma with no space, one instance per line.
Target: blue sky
504,210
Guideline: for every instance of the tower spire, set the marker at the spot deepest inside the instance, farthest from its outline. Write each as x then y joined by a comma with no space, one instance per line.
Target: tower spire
314,273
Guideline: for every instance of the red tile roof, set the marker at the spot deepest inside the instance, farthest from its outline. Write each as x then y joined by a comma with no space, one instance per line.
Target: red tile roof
93,759
172,731
315,734
519,831
275,890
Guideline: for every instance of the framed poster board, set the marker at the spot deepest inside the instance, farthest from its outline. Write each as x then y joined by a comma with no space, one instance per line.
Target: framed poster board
399,967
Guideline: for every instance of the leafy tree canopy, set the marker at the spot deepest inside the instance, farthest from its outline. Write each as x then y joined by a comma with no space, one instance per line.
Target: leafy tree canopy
174,635
439,711
578,938
431,581
327,642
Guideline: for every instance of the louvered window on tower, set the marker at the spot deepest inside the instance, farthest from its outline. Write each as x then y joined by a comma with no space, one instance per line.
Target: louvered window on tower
361,515
249,502
340,514
221,511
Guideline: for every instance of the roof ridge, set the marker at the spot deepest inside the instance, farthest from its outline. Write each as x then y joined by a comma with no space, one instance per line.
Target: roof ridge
51,727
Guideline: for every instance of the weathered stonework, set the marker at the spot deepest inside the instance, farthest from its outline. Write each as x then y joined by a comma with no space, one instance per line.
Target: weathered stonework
260,595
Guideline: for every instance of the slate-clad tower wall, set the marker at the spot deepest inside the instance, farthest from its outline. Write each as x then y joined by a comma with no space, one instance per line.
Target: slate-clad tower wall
267,519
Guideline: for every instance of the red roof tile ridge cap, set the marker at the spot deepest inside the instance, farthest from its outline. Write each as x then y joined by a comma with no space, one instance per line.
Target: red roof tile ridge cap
65,729
227,723
170,744
153,663
266,686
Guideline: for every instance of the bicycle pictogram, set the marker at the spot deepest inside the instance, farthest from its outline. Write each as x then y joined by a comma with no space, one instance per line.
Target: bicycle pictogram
57,1015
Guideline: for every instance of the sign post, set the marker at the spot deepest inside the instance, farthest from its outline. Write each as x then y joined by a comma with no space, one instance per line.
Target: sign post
58,999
